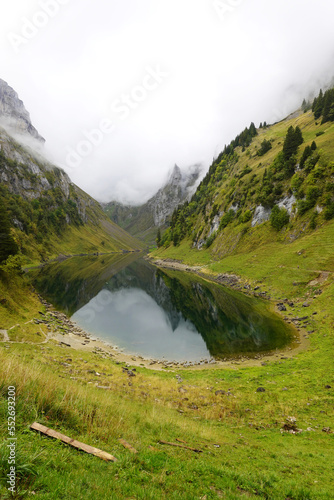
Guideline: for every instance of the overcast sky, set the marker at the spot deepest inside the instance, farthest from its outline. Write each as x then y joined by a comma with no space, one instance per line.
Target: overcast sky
124,89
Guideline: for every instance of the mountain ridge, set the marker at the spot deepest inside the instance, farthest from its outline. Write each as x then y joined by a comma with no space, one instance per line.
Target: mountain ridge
14,114
278,176
143,221
48,213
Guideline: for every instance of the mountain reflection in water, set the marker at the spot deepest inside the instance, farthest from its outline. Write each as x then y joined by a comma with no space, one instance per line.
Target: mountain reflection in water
161,314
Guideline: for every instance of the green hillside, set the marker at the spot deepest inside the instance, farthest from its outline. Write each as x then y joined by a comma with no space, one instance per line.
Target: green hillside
284,170
137,220
244,429
240,181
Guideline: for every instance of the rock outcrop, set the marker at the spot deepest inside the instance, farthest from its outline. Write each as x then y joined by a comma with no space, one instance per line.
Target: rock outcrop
288,203
13,113
45,191
179,188
142,221
261,214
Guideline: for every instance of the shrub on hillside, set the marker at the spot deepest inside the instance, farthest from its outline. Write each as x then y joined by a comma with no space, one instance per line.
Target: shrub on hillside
7,244
246,217
211,239
296,182
307,152
313,221
329,211
311,162
279,218
265,147
12,266
312,195
226,219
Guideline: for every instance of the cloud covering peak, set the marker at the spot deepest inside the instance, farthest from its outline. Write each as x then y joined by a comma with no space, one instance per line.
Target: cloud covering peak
124,90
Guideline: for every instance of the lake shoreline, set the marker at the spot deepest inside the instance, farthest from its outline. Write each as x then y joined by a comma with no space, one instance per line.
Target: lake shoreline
81,340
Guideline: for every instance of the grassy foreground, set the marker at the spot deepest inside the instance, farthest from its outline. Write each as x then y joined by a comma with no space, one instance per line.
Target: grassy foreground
91,398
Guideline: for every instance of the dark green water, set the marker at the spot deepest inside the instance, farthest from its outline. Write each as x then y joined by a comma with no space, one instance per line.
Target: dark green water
158,313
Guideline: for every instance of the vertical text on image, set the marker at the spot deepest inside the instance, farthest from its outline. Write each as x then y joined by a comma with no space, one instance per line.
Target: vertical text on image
11,412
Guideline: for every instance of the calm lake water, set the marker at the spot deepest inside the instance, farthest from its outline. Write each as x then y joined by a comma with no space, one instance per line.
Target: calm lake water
156,313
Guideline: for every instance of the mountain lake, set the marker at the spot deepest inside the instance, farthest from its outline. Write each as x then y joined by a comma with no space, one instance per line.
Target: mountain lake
127,302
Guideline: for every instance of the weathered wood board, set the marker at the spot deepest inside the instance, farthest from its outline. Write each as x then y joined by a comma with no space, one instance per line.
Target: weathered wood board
72,442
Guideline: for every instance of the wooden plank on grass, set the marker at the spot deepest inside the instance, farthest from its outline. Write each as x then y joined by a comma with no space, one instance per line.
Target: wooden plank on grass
127,446
72,442
181,446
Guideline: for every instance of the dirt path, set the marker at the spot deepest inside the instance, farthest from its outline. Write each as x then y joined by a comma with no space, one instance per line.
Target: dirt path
5,335
7,339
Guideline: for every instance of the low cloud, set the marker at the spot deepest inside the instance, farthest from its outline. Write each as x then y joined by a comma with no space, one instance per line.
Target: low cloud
254,63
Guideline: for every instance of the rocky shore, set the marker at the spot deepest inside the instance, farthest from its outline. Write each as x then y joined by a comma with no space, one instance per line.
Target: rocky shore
230,280
68,334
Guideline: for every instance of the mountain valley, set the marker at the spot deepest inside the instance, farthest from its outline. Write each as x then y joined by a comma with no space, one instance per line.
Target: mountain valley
260,222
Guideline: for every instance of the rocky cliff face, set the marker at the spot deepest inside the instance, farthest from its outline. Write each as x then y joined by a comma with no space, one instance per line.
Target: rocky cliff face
13,113
144,220
25,173
179,188
40,198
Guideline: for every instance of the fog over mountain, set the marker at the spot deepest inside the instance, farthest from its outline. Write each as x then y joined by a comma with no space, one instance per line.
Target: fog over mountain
122,91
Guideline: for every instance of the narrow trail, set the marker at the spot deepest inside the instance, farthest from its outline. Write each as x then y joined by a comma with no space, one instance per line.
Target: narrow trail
6,338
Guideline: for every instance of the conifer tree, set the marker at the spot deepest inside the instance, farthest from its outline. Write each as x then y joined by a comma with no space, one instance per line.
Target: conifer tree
305,155
158,240
298,137
7,244
294,138
319,105
252,130
289,144
328,101
331,113
314,104
306,105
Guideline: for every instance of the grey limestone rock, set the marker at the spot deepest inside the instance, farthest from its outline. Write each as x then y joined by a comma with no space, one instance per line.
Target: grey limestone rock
288,202
14,114
261,214
179,188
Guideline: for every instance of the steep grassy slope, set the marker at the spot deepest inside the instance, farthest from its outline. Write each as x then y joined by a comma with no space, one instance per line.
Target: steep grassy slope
242,188
138,221
91,397
245,452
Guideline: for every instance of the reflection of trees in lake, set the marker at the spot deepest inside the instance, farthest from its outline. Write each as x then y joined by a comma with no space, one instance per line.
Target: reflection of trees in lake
71,284
229,322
